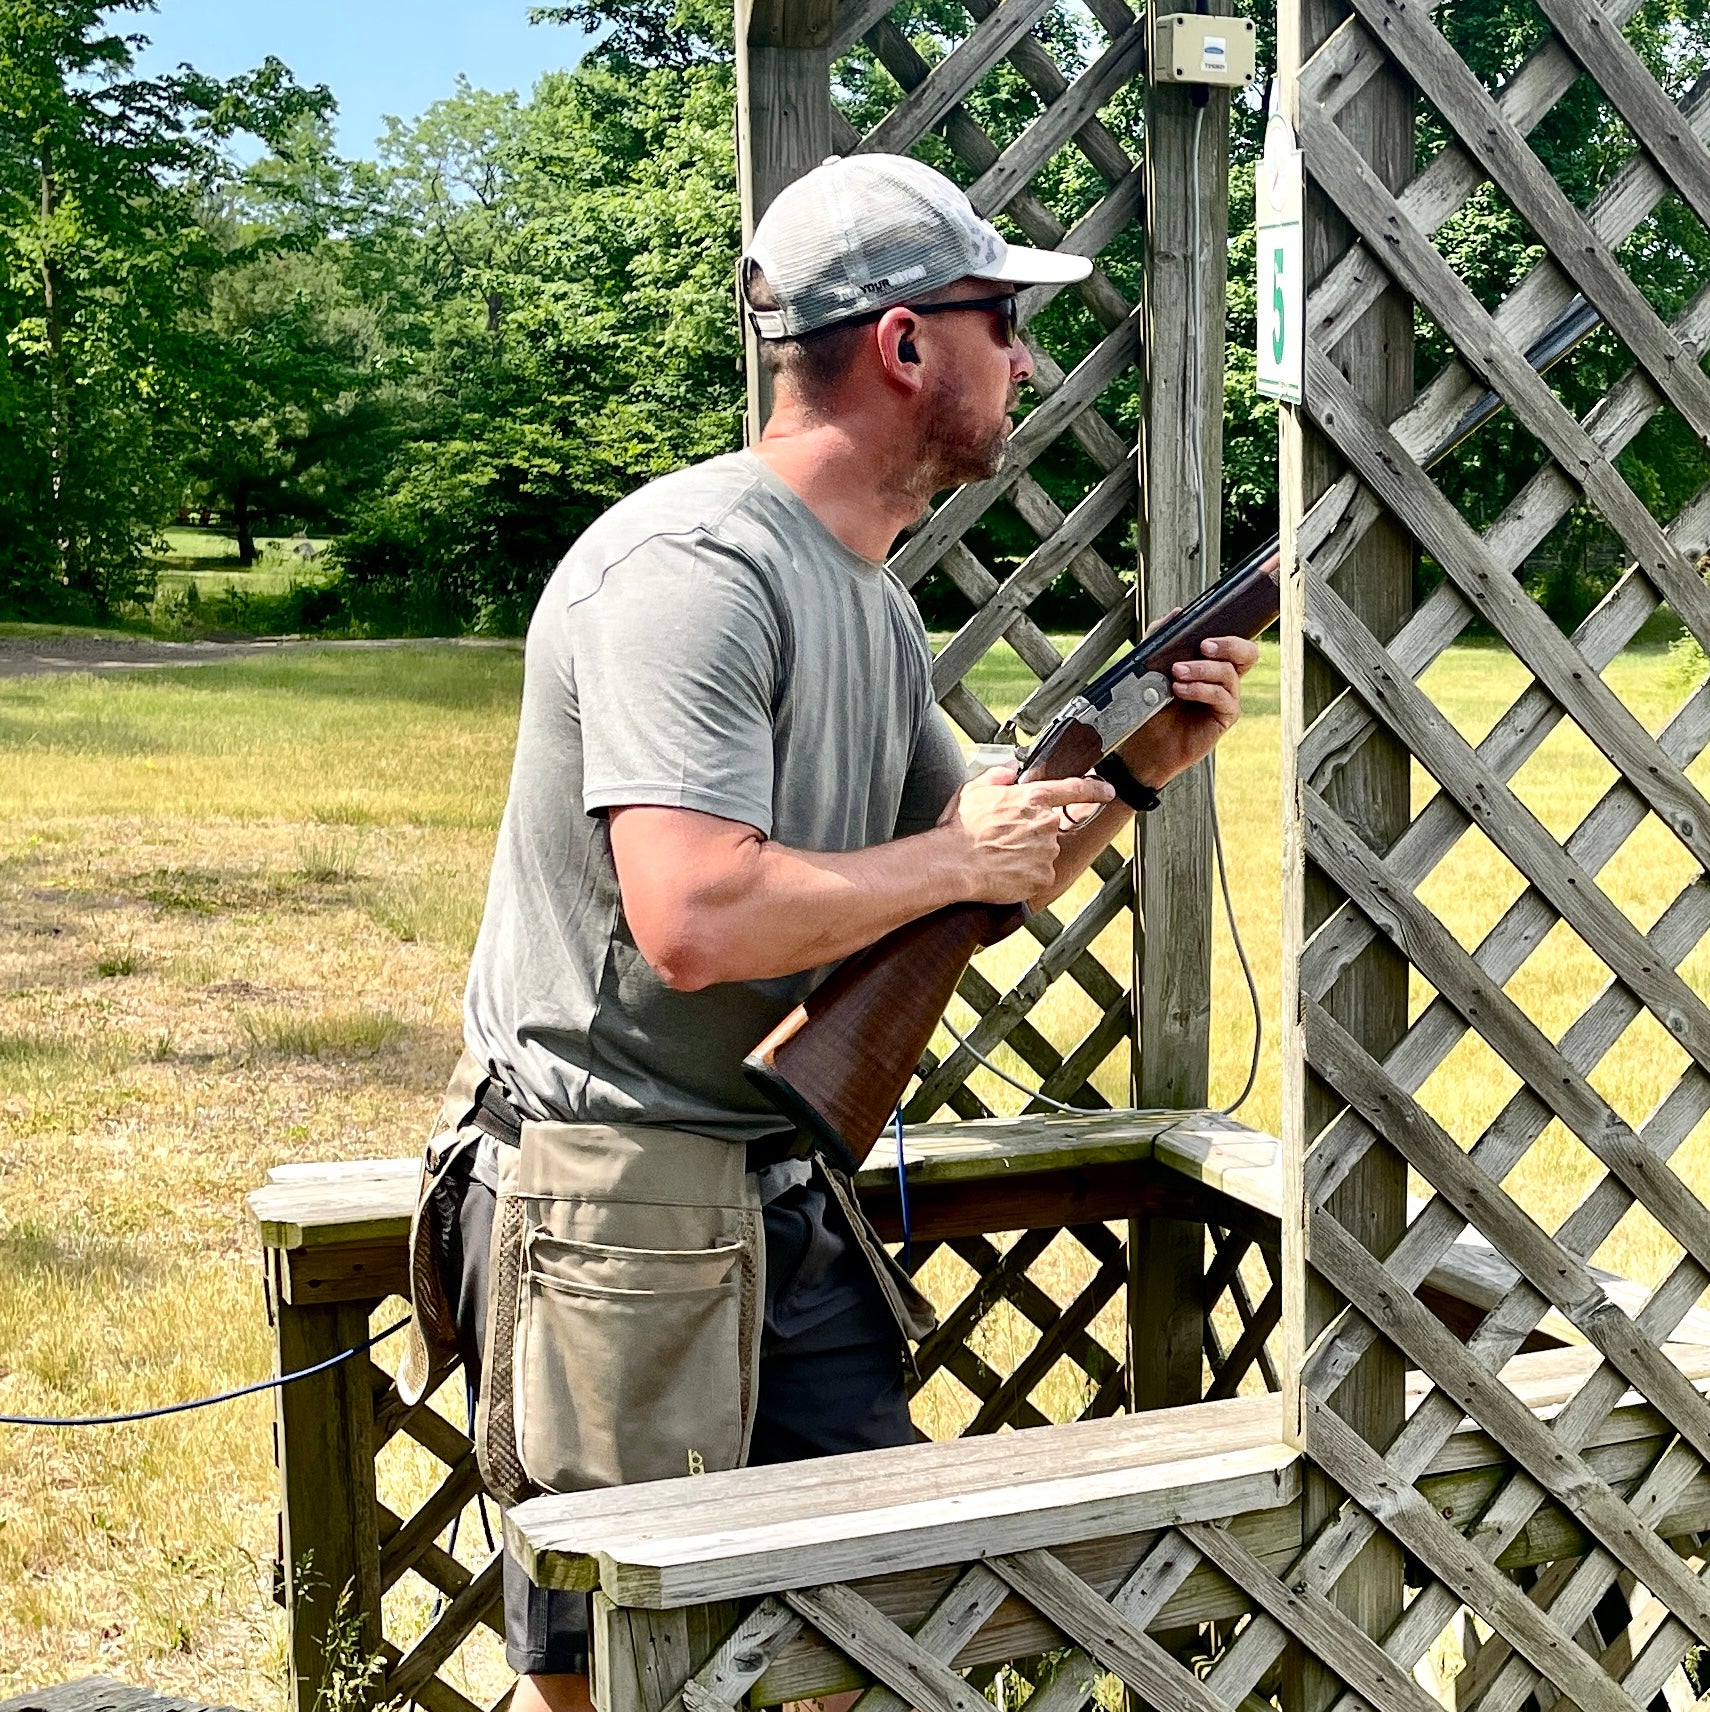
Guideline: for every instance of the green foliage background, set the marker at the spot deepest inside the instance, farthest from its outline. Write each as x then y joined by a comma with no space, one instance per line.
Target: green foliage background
452,357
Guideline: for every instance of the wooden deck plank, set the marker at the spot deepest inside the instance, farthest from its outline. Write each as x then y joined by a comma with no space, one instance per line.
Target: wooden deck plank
364,1205
901,1510
302,1206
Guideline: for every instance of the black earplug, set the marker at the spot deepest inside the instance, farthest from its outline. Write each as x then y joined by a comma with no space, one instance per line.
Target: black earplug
906,353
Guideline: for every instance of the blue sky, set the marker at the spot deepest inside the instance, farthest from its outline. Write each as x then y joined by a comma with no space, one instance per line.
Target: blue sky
377,56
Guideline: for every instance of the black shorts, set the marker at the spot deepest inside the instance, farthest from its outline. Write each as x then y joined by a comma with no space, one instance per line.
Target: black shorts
831,1372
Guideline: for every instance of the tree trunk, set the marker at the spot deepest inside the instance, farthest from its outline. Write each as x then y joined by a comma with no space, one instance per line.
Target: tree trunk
60,395
244,524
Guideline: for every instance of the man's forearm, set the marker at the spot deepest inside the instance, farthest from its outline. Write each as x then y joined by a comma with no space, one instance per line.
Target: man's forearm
776,911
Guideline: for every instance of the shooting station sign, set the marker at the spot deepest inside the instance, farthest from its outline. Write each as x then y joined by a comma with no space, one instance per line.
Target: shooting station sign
1279,192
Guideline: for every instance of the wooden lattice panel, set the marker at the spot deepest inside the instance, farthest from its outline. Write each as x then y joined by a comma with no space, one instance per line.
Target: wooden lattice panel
1010,1353
1243,1293
449,1542
1610,1626
1032,179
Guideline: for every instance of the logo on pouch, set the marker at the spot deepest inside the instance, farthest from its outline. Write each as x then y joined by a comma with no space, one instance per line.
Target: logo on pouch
697,1464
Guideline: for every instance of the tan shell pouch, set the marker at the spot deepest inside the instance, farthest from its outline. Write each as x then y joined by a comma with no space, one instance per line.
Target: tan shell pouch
623,1327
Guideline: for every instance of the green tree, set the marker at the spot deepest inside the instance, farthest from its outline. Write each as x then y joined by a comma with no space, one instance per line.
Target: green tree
1582,142
576,336
104,178
292,389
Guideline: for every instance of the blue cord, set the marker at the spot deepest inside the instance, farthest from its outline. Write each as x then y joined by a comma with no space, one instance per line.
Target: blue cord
200,1402
902,1193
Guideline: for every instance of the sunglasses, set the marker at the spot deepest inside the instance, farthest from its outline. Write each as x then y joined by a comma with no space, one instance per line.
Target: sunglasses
1006,304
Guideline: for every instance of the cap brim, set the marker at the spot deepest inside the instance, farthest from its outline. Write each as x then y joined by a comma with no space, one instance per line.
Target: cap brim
1022,266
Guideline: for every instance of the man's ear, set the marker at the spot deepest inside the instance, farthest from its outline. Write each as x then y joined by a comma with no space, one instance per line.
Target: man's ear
898,352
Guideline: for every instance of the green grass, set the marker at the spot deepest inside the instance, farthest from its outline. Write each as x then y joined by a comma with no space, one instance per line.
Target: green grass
23,632
236,907
210,557
325,1034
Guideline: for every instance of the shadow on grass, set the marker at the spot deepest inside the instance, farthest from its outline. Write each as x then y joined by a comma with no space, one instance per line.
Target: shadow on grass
77,1259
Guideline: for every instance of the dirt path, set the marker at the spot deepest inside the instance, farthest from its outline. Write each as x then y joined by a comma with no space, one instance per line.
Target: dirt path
40,656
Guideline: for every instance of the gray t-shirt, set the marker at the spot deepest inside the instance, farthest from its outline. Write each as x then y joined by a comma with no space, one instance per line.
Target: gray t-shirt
707,644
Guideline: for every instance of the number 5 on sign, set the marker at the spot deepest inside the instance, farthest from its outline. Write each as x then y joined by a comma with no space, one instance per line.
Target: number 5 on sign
1282,290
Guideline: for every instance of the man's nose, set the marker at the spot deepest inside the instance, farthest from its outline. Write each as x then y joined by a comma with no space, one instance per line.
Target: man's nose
1020,362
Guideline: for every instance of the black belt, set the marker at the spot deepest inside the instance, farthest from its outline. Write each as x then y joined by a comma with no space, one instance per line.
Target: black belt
494,1115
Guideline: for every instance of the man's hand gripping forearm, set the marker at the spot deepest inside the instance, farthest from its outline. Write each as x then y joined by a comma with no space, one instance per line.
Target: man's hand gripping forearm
1207,702
713,900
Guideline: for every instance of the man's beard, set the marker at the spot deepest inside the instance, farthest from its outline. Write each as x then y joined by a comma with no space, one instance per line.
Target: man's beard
961,444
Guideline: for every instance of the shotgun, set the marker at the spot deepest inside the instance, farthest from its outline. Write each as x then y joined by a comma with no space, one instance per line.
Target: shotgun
837,1065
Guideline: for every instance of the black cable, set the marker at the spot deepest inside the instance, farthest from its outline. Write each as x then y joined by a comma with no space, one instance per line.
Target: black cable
200,1402
1247,1087
1204,526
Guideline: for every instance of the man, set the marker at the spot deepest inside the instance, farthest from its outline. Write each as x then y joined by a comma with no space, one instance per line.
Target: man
730,774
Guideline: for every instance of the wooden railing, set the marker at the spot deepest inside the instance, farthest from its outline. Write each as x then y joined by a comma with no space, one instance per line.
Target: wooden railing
1127,1549
1021,1231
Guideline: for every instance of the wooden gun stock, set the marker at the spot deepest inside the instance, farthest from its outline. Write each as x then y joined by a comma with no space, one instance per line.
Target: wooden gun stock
837,1065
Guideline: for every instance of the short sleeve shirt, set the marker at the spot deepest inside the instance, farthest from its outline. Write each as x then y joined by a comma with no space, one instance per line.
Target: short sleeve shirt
707,644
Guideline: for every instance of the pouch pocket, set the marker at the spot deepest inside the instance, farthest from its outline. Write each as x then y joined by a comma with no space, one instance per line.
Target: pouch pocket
627,1362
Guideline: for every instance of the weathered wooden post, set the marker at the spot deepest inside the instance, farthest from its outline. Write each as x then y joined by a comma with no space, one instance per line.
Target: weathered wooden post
329,1521
1181,486
1371,792
783,124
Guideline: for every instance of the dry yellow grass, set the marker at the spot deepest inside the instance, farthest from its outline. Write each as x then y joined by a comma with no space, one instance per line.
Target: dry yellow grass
279,869
235,906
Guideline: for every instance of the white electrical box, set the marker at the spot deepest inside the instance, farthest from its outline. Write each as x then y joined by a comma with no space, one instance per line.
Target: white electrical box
1195,47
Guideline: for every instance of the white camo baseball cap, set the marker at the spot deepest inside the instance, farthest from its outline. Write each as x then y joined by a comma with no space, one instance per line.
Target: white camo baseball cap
863,232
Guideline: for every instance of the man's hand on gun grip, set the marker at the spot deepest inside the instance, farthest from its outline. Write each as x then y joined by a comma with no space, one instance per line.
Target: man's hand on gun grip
1207,702
1006,835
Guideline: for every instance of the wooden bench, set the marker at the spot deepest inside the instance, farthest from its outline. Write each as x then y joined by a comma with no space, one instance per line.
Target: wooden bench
334,1239
759,1581
339,1229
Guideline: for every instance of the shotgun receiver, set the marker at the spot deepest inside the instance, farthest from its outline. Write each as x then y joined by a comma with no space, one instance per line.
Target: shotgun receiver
838,1063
